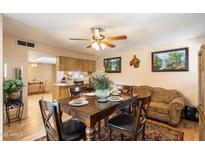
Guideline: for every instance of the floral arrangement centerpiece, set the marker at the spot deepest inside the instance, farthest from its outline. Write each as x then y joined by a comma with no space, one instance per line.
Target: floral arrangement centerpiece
102,84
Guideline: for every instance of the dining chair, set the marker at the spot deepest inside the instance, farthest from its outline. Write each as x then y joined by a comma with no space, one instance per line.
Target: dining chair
133,123
56,130
75,91
125,89
78,83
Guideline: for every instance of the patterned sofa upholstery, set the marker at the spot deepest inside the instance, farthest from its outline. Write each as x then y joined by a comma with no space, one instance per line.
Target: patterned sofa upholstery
166,105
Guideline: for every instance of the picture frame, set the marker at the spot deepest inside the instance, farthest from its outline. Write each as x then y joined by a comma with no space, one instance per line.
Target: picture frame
173,60
112,65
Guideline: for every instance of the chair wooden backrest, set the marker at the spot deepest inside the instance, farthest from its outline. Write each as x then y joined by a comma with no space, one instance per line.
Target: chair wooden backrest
75,91
140,112
78,83
145,103
126,89
51,119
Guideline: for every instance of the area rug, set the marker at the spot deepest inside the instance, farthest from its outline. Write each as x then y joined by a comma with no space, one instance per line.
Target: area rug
154,131
159,132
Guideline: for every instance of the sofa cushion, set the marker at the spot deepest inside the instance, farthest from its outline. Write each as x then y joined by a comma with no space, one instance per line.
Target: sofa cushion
164,95
159,107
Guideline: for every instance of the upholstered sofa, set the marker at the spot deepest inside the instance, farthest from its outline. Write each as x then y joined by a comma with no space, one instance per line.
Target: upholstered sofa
166,105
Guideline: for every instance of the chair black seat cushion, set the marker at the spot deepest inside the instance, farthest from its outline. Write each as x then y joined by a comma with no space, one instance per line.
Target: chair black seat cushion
125,122
122,121
72,130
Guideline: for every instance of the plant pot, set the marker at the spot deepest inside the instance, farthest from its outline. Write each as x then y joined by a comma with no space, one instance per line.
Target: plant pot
14,95
102,93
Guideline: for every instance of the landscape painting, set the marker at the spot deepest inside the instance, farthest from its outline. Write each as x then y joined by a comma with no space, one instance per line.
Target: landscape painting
112,65
170,60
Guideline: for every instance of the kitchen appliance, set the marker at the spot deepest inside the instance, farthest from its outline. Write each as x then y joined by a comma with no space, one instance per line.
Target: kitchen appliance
201,107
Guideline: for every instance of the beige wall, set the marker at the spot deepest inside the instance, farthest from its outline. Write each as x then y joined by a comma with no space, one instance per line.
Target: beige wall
43,72
46,49
185,82
1,76
16,56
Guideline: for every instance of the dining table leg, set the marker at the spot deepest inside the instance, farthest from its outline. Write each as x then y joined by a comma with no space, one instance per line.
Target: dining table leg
90,135
97,131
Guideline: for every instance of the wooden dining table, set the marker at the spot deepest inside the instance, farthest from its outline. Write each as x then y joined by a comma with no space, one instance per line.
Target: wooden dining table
93,112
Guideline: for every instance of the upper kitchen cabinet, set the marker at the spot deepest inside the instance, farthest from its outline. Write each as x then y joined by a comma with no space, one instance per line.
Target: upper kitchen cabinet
61,63
75,64
85,65
91,66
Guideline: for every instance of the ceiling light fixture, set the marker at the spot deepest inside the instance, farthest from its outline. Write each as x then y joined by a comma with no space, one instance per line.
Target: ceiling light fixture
98,46
34,65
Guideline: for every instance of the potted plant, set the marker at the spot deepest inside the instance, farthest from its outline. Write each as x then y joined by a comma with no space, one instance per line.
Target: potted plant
102,84
12,88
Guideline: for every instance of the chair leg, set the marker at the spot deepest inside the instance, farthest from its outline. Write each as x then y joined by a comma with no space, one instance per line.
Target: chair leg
60,116
143,134
110,134
122,136
134,137
47,137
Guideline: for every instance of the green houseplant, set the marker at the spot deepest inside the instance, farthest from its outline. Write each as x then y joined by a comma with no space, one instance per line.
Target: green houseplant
12,88
102,84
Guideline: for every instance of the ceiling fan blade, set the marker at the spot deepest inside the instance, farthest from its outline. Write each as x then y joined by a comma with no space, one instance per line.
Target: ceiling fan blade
79,39
89,46
108,43
113,38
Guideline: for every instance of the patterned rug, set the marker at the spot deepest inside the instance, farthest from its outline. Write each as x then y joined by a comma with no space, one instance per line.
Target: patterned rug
154,131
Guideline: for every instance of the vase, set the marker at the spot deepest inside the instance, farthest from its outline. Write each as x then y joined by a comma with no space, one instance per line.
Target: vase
102,93
14,95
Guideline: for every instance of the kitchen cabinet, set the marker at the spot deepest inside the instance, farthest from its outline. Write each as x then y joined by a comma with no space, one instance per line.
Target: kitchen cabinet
85,65
91,66
75,64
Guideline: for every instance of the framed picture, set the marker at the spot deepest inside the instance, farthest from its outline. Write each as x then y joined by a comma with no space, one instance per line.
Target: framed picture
112,65
171,60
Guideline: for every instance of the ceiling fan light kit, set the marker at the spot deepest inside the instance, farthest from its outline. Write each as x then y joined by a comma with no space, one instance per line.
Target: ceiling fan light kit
99,41
98,46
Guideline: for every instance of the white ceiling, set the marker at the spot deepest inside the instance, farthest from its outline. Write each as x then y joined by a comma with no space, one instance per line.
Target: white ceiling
142,29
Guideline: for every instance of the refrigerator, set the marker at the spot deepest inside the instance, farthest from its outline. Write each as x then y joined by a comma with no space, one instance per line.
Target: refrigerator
201,106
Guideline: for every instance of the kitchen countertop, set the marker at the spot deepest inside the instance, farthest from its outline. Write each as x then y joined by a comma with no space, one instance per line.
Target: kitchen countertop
65,84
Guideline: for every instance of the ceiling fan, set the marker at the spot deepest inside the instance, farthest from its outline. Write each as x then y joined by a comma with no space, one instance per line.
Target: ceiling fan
99,41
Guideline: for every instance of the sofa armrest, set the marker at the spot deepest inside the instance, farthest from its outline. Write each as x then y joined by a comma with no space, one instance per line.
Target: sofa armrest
175,108
177,103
